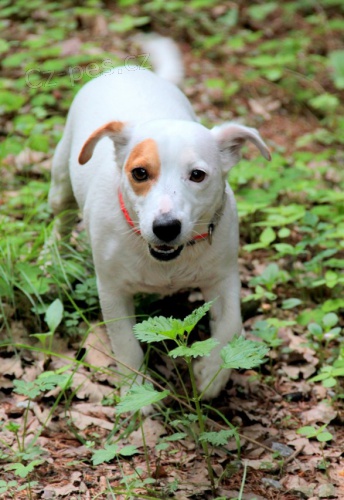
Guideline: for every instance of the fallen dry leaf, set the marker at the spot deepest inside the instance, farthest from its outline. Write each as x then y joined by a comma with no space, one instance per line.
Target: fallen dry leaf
152,430
322,413
82,421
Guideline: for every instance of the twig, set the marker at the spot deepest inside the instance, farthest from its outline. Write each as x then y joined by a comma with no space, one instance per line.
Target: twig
292,456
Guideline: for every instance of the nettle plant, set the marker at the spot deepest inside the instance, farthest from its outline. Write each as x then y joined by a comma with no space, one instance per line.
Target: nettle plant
240,353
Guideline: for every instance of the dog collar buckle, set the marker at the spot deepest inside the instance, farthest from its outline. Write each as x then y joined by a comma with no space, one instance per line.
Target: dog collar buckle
210,233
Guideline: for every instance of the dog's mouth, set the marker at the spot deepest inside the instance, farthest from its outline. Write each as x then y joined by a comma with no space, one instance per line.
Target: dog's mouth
165,252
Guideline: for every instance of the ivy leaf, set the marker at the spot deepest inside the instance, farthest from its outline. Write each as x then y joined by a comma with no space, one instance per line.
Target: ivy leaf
219,438
201,348
243,353
138,397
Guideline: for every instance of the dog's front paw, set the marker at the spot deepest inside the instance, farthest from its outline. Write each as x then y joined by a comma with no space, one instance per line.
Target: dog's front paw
205,370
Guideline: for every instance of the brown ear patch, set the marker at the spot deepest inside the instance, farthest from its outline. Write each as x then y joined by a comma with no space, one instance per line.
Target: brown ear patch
107,130
144,155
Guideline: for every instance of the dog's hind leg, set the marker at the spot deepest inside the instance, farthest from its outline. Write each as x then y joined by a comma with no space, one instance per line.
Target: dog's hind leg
61,196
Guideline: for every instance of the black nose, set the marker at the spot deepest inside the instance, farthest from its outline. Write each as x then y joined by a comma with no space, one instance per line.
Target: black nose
167,231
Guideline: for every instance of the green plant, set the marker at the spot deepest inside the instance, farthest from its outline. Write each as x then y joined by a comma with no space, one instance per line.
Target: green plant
321,434
329,375
53,318
326,330
291,211
239,353
268,333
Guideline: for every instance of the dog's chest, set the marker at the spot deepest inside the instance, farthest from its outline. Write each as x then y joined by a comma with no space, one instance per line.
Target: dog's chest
167,278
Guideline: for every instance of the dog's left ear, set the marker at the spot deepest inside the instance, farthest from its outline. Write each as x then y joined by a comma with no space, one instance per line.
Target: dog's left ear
230,138
113,130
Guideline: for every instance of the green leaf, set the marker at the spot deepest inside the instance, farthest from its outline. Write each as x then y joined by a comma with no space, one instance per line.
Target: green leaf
291,303
285,249
157,329
27,388
336,61
42,337
177,436
138,397
325,102
106,454
219,438
307,431
331,278
22,470
45,382
201,348
243,353
268,236
332,305
315,329
191,321
54,315
261,11
162,446
324,436
330,320
127,23
10,101
329,382
39,142
267,332
284,232
128,451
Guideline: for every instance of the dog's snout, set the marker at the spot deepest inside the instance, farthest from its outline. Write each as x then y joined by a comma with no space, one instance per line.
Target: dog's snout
168,230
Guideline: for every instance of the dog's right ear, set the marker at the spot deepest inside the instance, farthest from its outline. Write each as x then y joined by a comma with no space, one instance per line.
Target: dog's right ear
113,130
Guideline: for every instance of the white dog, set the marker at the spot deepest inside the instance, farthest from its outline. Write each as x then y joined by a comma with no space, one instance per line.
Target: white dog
152,185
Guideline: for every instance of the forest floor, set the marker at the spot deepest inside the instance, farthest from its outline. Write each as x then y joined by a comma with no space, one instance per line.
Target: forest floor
278,68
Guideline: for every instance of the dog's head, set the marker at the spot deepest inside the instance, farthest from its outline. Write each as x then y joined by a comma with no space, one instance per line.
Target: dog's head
173,176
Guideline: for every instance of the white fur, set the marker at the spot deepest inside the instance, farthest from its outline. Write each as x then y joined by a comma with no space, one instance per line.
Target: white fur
153,108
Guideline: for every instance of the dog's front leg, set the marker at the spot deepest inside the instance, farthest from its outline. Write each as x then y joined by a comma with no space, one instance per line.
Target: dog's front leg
118,312
225,322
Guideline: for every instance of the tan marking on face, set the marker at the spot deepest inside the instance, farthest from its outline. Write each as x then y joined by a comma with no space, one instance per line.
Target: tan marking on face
107,130
143,155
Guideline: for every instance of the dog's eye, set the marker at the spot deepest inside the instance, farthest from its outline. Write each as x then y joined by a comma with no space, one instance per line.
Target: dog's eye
197,175
139,174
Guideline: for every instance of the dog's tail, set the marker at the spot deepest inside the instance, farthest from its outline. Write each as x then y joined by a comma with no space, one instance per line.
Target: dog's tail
165,57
